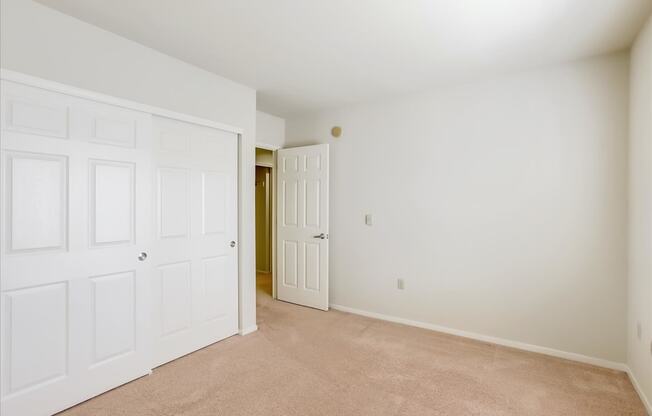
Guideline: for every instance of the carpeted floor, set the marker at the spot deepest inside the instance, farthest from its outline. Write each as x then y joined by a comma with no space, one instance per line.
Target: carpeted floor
306,362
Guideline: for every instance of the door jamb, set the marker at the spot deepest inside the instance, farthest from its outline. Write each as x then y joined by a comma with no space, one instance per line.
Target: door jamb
273,149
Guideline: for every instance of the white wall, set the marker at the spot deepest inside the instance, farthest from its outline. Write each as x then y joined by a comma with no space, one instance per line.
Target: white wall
45,43
270,130
503,205
640,213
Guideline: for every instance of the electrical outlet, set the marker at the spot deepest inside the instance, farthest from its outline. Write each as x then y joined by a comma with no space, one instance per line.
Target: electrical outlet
400,284
639,331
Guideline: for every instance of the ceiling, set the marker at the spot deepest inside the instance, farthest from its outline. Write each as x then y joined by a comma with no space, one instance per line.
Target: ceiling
303,55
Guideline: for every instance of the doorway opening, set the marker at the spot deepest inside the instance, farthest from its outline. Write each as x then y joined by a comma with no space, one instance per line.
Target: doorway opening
265,162
294,248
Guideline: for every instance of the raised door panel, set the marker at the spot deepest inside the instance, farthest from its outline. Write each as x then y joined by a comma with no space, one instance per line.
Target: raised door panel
290,164
113,316
311,204
290,207
114,131
174,194
112,202
213,149
215,293
312,163
35,111
36,201
40,118
37,317
108,125
312,265
176,297
174,142
215,194
290,263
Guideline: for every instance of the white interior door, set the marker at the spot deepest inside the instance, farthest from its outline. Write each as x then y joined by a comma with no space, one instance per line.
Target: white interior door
302,225
195,282
75,198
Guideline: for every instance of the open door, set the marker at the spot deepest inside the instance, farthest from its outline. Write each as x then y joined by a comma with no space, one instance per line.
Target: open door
302,225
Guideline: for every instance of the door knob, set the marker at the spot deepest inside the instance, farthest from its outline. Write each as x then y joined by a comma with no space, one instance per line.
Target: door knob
321,236
232,243
142,256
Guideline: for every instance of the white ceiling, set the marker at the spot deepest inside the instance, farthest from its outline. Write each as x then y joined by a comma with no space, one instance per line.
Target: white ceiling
309,54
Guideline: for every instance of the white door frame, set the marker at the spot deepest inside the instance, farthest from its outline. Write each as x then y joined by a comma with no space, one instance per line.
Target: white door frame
273,149
32,81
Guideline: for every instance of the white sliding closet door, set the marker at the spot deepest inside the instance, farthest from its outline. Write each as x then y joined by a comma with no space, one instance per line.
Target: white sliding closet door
75,200
195,283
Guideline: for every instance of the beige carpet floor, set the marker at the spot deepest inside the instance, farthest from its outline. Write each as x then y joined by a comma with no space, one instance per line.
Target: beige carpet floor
305,362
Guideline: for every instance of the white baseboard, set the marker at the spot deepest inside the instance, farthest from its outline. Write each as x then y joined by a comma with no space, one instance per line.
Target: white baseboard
249,330
641,393
486,338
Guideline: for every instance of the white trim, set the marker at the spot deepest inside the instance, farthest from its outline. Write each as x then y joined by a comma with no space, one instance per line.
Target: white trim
247,331
29,80
486,338
641,393
264,165
266,146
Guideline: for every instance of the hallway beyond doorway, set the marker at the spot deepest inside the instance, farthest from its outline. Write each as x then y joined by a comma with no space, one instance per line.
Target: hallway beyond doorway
264,284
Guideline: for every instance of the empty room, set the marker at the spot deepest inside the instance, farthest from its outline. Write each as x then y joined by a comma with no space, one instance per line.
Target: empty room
315,208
